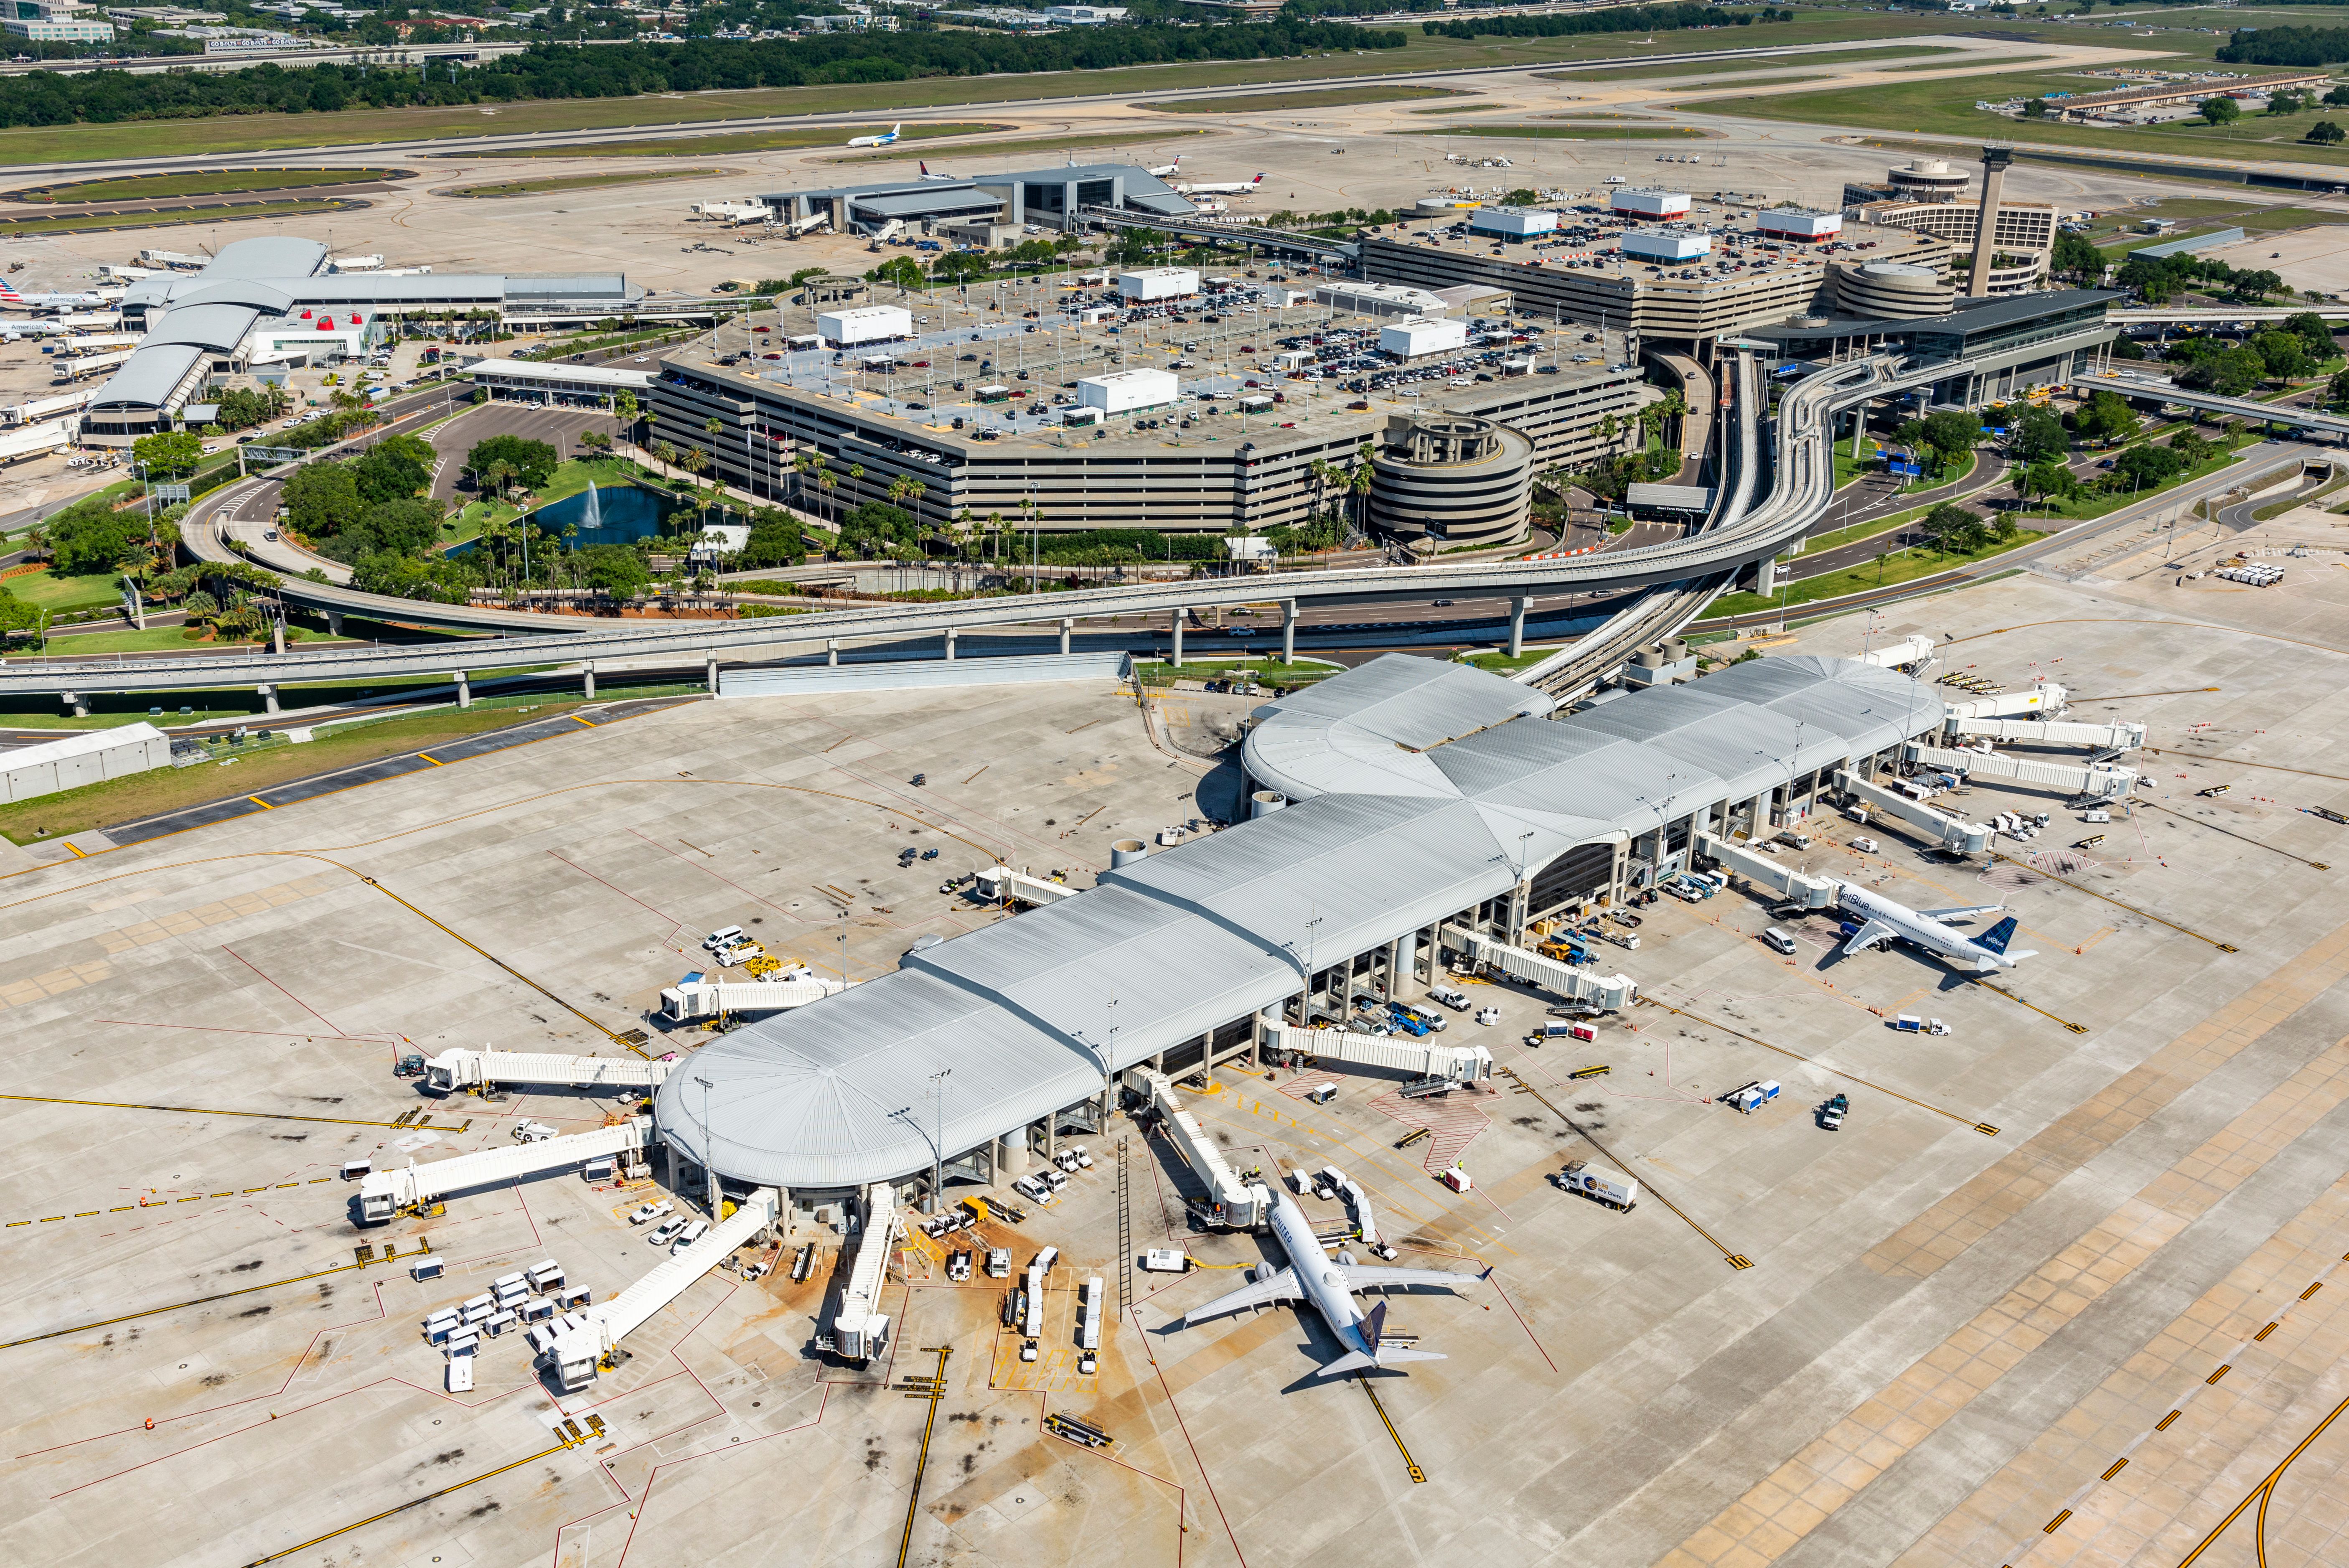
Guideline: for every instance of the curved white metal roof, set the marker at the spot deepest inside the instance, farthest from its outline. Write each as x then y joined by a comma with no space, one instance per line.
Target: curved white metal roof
1422,790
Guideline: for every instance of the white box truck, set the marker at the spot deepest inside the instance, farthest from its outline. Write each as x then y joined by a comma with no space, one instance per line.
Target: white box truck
1617,1191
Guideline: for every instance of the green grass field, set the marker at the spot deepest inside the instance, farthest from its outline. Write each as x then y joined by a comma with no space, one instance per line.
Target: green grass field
58,594
1887,52
266,132
553,183
1143,134
195,182
234,211
1310,98
1568,132
1904,568
1947,107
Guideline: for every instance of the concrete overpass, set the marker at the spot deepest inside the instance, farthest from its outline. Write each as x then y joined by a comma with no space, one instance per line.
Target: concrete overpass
1246,234
2149,388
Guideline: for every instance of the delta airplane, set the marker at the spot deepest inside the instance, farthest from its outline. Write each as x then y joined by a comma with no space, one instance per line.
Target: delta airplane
10,298
1164,169
949,178
876,140
1883,920
1231,188
1329,1286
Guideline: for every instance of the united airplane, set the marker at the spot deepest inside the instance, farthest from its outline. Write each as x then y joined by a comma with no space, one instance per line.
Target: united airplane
1329,1288
1882,921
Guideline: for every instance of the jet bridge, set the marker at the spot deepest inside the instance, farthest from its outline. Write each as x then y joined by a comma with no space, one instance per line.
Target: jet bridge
587,1337
2044,699
799,226
1952,833
1909,653
460,1069
999,884
1421,1058
2128,737
859,1332
1769,871
2096,782
1231,1202
1608,993
708,998
383,1193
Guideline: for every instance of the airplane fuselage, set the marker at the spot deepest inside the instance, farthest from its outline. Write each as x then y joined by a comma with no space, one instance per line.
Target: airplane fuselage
1322,1285
1897,921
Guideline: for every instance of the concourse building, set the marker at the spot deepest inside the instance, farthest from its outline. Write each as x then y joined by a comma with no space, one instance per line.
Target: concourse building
1402,807
1055,197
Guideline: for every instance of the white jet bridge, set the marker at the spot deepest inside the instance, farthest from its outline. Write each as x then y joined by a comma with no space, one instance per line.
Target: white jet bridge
2045,700
709,998
2124,737
1608,993
383,1193
1952,833
1422,1057
859,1331
1911,652
2096,781
999,884
1768,870
460,1069
1231,1202
586,1338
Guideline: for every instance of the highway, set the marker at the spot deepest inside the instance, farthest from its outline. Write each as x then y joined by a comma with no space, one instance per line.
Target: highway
2152,388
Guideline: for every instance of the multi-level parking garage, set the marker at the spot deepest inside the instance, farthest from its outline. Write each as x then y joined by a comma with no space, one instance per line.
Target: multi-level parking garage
1425,803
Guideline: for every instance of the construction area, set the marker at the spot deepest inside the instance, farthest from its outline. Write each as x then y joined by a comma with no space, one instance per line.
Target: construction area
359,1210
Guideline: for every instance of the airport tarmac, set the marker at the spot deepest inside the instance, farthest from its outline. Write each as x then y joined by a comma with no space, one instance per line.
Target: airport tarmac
1918,1339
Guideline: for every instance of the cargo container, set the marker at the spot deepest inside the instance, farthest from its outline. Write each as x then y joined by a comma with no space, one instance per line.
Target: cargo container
1753,1097
864,323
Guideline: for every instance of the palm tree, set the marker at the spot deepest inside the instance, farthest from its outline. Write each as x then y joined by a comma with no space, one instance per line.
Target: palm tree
825,482
499,474
963,526
624,412
666,453
1324,475
995,536
1358,482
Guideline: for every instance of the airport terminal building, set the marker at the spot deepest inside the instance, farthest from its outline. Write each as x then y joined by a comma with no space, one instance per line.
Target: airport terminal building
1414,803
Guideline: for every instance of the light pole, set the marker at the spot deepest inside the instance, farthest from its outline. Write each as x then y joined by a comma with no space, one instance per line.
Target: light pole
708,1160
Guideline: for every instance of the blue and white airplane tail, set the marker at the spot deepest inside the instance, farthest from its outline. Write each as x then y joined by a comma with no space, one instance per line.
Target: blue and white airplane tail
1998,935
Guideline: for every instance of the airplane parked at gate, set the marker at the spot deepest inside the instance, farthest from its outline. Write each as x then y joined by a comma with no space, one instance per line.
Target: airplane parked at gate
877,140
1231,188
1882,921
1329,1285
1164,169
12,300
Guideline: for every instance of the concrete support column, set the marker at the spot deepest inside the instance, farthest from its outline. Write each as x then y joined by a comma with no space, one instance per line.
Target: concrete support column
277,635
783,1214
1765,575
950,645
831,650
268,697
78,703
464,689
334,623
1175,620
1288,631
1517,624
590,675
1012,1153
712,1195
1394,970
668,1164
1068,625
1256,1039
709,671
1051,1135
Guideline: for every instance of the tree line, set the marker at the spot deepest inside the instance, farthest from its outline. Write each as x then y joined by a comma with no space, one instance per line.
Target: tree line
1622,19
623,70
2285,46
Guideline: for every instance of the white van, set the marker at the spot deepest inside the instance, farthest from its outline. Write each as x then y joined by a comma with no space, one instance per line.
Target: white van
1778,941
723,938
693,1232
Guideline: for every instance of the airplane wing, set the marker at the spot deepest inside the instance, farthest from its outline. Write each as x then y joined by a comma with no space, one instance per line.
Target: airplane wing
1282,1287
1372,1276
1968,912
1869,935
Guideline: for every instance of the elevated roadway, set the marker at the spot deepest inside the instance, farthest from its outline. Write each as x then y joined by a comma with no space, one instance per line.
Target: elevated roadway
1247,233
2152,389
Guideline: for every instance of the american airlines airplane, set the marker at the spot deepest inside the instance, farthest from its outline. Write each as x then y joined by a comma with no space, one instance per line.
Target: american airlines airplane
877,140
12,300
1882,920
1329,1286
1231,188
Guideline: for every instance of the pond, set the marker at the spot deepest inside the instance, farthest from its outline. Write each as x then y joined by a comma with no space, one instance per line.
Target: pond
610,514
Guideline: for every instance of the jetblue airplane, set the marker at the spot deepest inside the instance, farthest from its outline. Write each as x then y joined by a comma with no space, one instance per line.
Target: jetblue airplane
1882,920
1329,1286
877,140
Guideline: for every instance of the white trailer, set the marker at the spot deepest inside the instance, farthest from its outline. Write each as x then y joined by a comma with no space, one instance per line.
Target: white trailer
74,368
460,1069
2096,781
1089,1332
1230,1202
1952,833
859,1331
1366,1223
1421,1058
1031,1317
583,1339
1608,993
999,884
709,998
2127,735
1768,872
383,1193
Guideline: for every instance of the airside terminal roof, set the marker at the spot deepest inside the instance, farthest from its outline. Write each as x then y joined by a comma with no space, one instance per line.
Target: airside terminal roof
194,318
1049,195
1420,789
